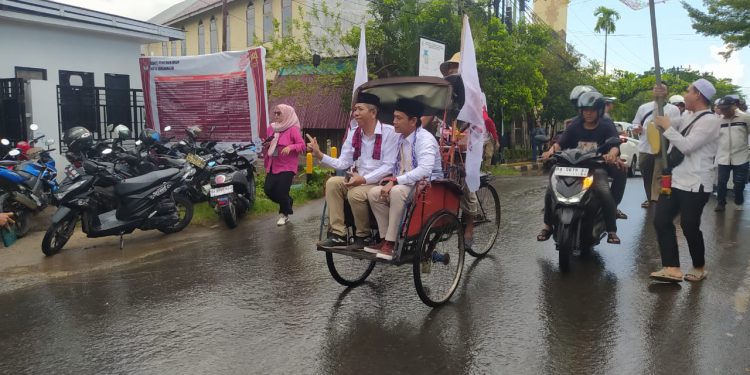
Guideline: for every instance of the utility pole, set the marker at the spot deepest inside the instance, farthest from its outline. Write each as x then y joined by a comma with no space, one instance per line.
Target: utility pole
224,27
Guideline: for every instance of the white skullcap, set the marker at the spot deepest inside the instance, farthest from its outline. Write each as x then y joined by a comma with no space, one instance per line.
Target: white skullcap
705,88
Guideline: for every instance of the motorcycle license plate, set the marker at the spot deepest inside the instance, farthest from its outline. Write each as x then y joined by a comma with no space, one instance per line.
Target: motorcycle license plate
71,172
222,191
571,172
196,161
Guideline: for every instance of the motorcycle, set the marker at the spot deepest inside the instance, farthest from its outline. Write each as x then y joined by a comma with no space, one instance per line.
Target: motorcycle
27,186
232,184
578,215
146,202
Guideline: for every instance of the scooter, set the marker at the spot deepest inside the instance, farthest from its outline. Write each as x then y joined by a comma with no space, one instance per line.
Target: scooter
232,191
27,186
146,202
578,215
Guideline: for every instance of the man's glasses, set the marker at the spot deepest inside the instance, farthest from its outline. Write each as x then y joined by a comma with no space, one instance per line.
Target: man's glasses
277,113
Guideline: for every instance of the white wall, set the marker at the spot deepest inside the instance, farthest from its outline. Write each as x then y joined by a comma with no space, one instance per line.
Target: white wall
54,48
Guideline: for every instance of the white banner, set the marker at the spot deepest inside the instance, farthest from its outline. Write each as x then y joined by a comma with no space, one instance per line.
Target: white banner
225,91
471,112
431,55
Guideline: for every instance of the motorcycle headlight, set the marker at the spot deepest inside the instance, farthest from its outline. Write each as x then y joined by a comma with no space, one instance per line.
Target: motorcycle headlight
587,182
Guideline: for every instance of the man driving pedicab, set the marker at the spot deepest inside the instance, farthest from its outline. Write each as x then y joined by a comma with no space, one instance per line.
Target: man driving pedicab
370,151
469,200
418,158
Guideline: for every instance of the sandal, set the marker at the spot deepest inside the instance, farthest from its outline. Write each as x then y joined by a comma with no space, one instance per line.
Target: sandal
612,238
544,235
663,276
695,275
621,215
646,204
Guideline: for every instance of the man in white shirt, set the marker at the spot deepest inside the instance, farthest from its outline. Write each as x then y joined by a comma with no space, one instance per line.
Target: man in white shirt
696,137
649,161
733,154
370,151
418,158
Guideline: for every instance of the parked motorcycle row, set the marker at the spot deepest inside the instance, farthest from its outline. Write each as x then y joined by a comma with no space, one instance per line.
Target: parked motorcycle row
116,186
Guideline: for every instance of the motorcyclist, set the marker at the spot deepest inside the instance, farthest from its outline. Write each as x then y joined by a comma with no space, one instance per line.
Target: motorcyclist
619,175
589,131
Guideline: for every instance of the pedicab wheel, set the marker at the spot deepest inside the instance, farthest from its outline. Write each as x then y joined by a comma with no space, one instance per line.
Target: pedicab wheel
487,221
348,271
440,259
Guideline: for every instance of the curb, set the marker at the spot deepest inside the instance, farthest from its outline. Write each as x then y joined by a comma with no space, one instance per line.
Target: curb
525,167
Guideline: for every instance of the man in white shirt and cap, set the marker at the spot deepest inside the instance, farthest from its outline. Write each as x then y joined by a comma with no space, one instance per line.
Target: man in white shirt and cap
694,140
649,161
418,158
370,151
733,154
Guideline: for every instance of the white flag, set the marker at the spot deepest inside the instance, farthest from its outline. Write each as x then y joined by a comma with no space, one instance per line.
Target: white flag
471,112
360,74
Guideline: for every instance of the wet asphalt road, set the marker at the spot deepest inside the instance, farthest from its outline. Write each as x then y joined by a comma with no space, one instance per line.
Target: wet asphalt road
260,300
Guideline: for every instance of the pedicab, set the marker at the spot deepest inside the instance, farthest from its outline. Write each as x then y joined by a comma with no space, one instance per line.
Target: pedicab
431,236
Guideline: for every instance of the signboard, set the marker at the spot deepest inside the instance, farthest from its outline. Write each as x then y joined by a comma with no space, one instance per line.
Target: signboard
224,90
431,55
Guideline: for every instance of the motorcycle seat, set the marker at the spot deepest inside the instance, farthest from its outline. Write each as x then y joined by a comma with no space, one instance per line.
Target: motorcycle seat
132,185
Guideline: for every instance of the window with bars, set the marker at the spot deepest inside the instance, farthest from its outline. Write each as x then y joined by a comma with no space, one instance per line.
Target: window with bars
214,36
286,17
267,20
164,49
201,38
228,30
250,23
183,48
174,48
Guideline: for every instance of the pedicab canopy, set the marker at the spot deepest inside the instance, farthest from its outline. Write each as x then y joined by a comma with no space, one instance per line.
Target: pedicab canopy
433,92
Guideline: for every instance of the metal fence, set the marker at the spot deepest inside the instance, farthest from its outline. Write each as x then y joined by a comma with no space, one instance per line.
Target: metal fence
97,107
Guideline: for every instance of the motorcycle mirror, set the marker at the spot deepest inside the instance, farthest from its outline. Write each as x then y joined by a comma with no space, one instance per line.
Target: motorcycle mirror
168,128
106,151
14,152
5,142
34,127
49,142
138,142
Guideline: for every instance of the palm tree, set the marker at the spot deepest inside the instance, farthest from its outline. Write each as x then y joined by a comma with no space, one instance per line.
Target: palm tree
606,23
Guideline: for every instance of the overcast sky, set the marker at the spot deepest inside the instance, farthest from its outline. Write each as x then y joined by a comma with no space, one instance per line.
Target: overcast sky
629,47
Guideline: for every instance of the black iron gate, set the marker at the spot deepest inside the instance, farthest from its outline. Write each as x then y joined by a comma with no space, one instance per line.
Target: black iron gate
12,109
97,107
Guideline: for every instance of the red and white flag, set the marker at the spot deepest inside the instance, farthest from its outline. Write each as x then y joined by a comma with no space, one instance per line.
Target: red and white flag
471,112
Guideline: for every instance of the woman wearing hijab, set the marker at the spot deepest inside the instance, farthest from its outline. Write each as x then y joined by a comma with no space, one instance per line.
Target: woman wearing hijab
281,158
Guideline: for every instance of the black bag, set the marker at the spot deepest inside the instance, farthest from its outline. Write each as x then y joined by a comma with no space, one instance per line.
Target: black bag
675,156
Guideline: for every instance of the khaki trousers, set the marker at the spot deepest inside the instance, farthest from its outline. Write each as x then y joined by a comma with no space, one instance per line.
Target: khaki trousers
388,212
336,192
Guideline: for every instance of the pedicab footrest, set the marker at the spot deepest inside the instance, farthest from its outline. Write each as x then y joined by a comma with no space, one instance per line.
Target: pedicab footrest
408,258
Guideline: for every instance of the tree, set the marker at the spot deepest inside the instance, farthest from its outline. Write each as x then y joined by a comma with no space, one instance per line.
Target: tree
606,23
728,19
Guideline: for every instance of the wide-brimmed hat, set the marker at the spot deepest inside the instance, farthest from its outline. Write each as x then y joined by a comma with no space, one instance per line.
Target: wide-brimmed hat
456,59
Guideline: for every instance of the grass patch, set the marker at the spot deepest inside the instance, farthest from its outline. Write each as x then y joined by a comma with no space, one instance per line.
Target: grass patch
501,170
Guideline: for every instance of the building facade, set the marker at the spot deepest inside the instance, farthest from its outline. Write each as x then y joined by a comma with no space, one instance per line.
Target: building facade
554,13
250,23
65,66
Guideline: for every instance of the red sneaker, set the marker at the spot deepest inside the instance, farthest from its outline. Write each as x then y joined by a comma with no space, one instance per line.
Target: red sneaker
386,250
374,249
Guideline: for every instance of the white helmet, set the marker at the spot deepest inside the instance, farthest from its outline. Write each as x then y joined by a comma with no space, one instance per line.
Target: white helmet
675,99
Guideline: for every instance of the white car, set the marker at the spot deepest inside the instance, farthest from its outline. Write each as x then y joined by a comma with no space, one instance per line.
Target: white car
629,154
